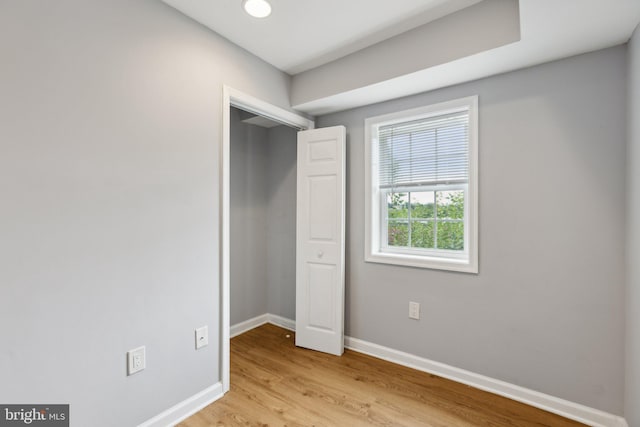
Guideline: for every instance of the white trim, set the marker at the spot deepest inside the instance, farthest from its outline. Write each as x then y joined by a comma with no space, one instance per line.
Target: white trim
186,408
233,97
422,261
283,322
274,319
247,325
372,220
565,408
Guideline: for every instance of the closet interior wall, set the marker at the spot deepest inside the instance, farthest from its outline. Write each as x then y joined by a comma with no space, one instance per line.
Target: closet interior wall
263,219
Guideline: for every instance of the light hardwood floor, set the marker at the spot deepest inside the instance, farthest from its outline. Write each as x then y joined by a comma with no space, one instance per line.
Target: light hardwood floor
274,383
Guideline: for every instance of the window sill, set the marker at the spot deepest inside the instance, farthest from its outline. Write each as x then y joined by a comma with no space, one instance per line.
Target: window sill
435,263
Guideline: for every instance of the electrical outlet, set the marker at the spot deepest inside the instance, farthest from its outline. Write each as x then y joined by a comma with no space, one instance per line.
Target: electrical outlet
136,360
202,337
414,310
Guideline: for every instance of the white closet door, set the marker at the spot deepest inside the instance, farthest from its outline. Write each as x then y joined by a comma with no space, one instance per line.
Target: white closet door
320,240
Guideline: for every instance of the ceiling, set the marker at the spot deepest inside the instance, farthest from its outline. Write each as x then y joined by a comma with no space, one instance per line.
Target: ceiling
304,37
303,34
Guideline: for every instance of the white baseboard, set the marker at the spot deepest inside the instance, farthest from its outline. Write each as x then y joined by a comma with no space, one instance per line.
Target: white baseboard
565,408
247,325
186,408
283,322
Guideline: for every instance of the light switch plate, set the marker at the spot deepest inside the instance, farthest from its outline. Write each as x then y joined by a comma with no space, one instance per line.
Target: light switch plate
202,337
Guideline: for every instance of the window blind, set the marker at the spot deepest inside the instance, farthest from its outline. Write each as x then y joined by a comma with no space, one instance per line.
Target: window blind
427,151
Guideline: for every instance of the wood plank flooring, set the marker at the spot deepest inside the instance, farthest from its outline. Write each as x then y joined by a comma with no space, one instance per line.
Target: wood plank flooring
274,383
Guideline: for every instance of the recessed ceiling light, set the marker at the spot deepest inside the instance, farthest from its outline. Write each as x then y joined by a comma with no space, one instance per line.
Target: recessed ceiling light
257,8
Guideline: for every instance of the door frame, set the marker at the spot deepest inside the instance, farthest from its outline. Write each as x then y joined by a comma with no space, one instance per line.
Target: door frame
234,98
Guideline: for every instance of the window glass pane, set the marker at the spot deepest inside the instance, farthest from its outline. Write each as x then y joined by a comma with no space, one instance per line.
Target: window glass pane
450,204
422,203
450,226
451,235
397,205
422,234
398,233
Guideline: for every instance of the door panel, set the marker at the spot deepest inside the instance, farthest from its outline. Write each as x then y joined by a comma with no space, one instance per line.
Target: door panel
322,151
322,207
321,301
320,240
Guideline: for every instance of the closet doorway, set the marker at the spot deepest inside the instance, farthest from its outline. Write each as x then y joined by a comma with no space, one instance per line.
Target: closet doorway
262,216
232,98
282,224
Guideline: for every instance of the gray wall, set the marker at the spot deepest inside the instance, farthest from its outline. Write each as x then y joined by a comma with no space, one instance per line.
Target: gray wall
248,219
263,220
632,373
546,310
281,221
109,143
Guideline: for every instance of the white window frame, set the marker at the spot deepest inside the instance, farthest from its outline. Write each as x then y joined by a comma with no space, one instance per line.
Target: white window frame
376,249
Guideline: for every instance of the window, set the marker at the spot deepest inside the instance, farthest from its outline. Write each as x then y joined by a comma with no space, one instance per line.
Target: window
421,187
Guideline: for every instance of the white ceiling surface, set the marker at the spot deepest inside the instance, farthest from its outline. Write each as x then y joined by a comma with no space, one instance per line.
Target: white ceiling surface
303,34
